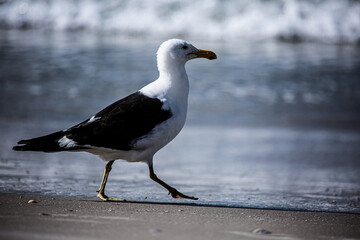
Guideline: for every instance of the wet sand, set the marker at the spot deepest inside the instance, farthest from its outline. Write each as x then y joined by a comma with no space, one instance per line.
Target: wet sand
84,218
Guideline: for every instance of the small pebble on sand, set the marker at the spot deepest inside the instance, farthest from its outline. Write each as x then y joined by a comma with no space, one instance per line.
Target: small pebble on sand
156,230
261,231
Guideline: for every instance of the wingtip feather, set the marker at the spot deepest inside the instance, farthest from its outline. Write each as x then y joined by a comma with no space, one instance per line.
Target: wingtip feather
23,142
18,148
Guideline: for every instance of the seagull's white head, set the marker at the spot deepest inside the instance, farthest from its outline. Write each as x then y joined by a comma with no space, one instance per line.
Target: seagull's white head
176,52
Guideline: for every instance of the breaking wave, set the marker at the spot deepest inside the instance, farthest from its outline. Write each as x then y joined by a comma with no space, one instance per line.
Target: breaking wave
327,21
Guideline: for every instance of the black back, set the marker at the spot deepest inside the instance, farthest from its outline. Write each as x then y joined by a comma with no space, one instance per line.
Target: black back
121,123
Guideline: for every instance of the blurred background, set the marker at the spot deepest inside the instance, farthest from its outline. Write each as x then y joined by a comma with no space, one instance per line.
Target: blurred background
273,123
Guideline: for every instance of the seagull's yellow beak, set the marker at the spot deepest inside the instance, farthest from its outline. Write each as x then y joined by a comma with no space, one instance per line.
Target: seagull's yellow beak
205,54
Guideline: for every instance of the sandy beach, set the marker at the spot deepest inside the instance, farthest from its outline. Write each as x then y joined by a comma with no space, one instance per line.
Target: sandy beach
79,218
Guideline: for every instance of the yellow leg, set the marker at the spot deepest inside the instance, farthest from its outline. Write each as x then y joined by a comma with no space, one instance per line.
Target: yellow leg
174,193
101,190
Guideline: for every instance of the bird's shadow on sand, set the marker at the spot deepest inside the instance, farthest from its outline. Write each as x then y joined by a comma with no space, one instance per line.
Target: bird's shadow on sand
194,204
148,202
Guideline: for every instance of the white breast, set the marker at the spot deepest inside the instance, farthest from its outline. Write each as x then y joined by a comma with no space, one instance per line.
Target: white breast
174,95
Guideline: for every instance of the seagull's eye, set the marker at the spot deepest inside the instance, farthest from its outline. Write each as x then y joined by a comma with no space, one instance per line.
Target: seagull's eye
184,47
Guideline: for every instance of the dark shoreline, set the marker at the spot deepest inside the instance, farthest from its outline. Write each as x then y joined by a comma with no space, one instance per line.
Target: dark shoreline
188,203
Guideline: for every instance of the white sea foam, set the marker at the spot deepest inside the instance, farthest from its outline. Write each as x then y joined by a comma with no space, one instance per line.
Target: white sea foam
330,21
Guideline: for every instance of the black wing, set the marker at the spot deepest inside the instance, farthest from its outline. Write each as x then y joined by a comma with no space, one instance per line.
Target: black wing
121,123
116,127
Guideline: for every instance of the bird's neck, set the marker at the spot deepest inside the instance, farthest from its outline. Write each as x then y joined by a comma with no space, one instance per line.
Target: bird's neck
171,68
176,81
172,85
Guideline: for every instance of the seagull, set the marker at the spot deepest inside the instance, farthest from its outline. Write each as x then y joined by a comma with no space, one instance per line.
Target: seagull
133,128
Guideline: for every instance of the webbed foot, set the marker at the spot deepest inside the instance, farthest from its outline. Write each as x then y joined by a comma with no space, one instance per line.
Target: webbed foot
176,194
103,197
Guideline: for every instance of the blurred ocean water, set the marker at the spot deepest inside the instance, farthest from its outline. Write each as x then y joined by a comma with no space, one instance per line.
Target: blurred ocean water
271,124
328,21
